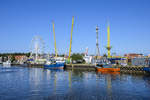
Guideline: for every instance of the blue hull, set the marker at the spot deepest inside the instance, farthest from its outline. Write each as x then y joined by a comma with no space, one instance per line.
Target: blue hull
55,66
147,69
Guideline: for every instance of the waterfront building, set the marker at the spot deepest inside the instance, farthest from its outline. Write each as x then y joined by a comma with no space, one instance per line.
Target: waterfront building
143,61
20,59
130,56
133,55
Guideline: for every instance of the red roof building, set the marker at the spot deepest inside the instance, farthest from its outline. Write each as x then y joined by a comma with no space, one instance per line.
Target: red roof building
133,55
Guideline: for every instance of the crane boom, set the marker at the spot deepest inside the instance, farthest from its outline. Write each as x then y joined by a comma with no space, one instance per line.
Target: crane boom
108,42
71,37
54,40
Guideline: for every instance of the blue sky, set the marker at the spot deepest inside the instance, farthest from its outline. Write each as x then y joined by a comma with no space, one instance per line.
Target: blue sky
21,20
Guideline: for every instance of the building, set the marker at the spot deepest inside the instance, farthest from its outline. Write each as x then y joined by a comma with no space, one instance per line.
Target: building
133,55
21,58
140,61
130,56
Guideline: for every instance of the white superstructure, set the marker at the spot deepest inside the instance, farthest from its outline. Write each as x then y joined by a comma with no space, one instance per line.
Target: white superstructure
7,63
88,59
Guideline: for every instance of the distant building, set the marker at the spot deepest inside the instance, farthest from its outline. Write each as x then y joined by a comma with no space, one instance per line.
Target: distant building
133,55
140,61
21,58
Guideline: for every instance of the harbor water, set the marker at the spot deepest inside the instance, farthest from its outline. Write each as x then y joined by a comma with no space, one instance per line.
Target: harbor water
23,83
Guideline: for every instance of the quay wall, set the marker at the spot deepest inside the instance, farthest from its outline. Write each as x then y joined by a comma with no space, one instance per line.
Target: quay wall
126,69
91,67
80,66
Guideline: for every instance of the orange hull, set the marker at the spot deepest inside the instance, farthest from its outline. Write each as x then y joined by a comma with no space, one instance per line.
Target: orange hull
108,69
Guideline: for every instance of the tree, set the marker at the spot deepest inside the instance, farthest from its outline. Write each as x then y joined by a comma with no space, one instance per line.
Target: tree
77,57
12,58
105,55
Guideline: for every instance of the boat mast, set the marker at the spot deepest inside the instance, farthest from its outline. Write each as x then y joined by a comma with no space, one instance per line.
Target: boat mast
97,44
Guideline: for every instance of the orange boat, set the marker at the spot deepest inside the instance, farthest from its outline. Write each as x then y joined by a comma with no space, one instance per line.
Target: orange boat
101,69
106,68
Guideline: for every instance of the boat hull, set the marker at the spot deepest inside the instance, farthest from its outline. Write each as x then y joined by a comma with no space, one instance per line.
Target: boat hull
147,69
55,66
6,64
108,69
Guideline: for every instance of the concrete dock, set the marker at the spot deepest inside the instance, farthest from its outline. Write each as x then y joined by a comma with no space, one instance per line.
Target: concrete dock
90,67
132,70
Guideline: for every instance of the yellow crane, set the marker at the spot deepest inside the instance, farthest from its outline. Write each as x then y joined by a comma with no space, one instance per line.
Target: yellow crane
54,40
108,42
71,38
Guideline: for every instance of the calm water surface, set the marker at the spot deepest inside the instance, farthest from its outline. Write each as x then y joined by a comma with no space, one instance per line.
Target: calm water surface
20,83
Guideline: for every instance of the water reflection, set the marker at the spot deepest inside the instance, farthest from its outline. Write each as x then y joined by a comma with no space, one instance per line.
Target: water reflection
44,84
147,81
109,87
70,81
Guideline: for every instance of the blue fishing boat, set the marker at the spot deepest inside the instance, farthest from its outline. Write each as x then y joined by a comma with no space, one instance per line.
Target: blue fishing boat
54,65
147,69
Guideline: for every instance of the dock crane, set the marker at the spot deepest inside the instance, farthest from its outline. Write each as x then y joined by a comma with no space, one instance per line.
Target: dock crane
108,42
54,40
71,38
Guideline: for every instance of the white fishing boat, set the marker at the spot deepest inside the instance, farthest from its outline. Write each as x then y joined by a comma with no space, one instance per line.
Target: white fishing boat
54,65
7,63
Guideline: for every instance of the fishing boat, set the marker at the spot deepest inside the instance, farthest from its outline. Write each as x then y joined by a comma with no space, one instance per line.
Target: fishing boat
106,68
7,63
54,65
146,69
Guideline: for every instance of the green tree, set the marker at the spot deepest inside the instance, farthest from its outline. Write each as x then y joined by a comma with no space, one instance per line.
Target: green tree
77,57
12,58
105,55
